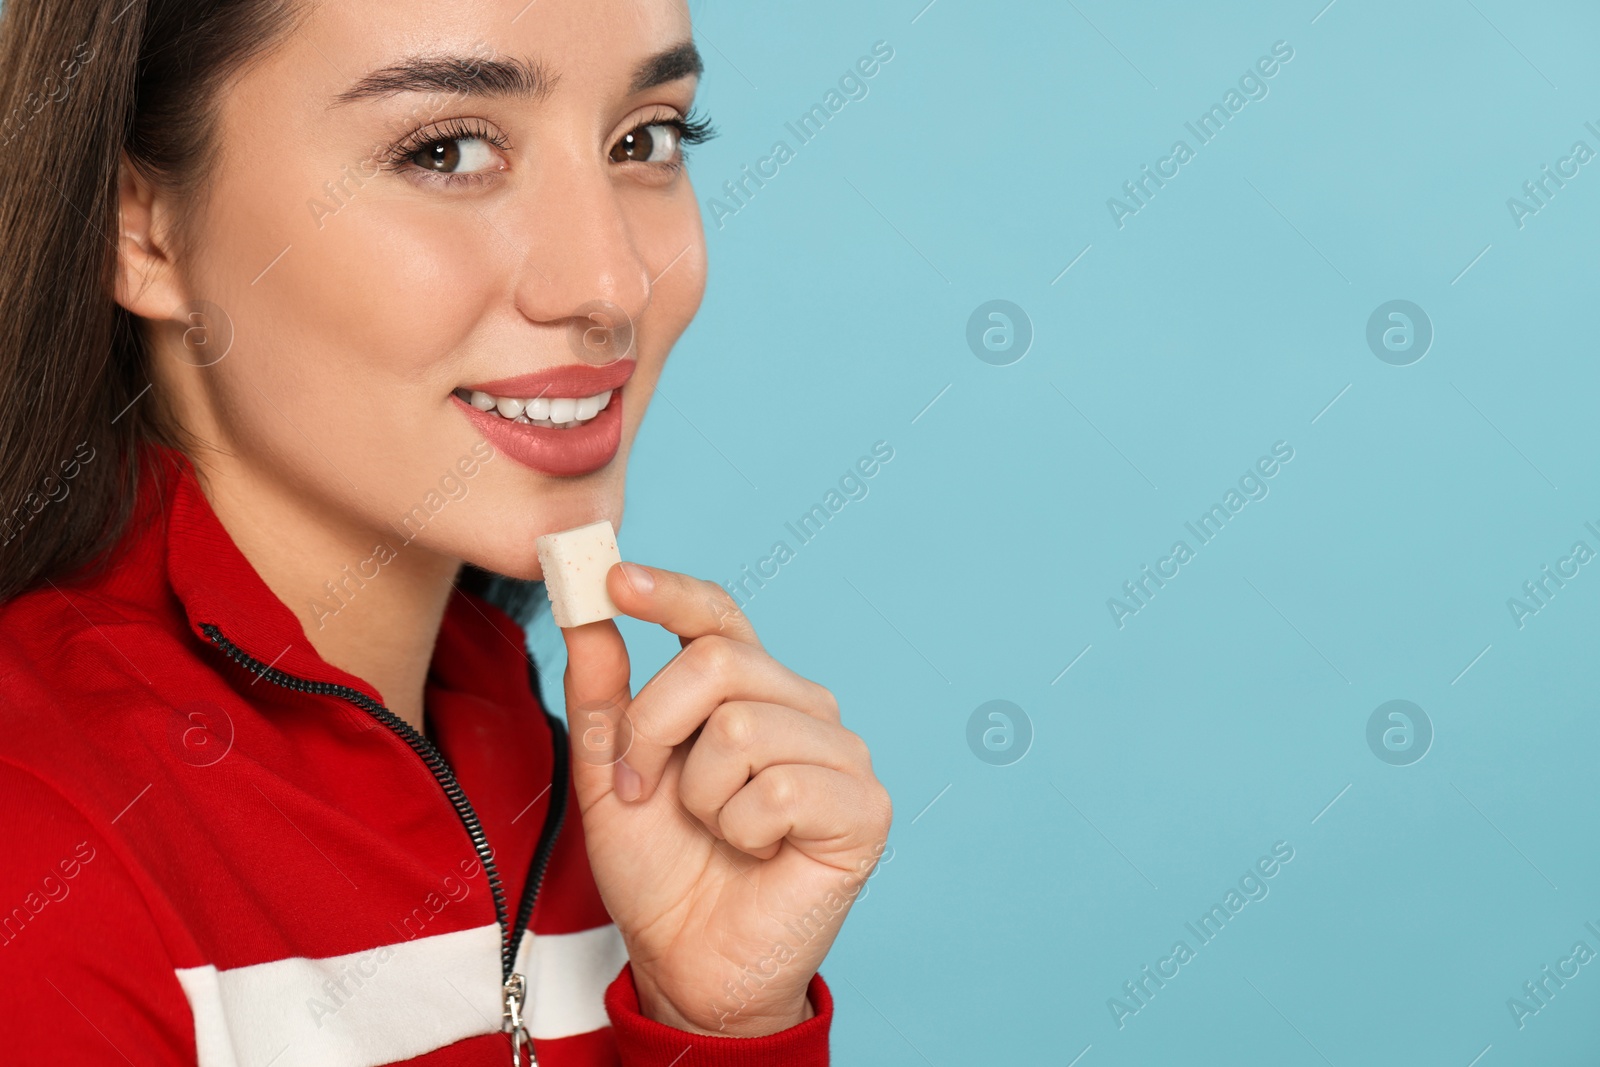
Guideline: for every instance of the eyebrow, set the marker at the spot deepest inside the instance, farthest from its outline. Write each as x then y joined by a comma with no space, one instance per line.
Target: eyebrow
479,77
679,61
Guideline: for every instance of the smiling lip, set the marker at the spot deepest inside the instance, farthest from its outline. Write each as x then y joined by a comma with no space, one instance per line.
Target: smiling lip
574,380
560,453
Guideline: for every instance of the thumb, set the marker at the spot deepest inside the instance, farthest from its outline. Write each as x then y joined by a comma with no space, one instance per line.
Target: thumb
596,685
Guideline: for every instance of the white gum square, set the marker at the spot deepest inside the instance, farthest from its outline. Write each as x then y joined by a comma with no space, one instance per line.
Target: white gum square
575,563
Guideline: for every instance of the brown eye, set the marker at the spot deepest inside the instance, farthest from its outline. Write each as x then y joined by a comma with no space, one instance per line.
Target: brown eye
654,143
454,155
441,155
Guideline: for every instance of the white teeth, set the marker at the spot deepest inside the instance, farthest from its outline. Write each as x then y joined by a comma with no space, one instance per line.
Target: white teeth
561,412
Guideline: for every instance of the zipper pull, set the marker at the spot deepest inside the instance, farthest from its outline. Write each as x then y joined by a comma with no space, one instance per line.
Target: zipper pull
513,993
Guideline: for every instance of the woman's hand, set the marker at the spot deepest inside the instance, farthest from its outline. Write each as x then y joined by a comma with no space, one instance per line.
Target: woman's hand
730,819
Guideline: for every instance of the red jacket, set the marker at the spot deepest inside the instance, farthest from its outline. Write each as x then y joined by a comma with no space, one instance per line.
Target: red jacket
219,849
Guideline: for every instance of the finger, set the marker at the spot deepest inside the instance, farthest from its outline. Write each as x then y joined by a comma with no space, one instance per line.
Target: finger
742,738
688,607
596,686
827,814
709,672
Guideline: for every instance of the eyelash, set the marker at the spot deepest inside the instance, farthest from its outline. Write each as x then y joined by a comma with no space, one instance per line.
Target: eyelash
689,129
398,158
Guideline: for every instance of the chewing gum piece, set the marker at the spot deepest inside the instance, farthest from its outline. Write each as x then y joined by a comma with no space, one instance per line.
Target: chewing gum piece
575,563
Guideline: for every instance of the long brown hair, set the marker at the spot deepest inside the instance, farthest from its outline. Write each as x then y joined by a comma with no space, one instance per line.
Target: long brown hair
80,82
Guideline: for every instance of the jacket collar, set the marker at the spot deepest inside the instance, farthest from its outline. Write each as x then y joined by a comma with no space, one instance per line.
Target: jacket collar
217,586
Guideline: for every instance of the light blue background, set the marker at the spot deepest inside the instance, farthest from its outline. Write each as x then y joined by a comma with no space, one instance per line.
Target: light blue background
1223,317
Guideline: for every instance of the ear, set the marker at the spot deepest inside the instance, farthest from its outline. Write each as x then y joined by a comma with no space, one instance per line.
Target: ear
148,281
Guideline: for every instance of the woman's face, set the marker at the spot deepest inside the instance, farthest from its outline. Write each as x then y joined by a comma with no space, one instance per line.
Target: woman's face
378,247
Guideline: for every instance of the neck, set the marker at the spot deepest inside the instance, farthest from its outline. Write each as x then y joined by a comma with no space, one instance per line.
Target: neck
370,604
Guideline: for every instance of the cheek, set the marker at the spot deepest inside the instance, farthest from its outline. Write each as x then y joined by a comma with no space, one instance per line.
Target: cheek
347,347
298,225
667,233
674,234
394,288
671,240
355,279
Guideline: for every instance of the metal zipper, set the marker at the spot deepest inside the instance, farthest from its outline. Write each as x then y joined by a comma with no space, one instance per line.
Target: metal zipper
513,987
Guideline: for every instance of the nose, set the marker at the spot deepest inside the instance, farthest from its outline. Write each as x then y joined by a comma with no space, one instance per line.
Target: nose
583,270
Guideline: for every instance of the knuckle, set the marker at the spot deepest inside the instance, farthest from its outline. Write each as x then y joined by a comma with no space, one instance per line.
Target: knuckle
736,726
883,806
857,750
781,788
719,594
721,604
830,703
711,654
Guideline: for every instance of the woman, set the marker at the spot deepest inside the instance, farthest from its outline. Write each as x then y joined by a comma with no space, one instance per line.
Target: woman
317,315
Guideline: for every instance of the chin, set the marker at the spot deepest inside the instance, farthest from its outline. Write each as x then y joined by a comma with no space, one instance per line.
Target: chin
510,550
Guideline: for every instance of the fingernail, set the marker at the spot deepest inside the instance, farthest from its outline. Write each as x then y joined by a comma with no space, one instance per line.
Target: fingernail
639,579
627,782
